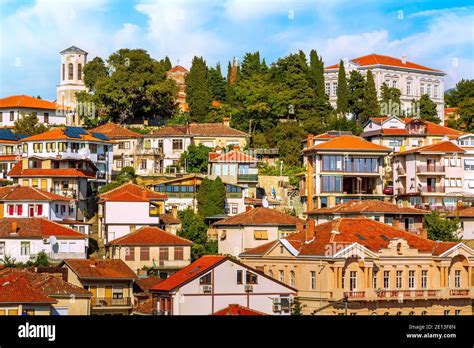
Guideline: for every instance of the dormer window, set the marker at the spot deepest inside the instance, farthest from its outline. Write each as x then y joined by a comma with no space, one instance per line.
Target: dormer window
205,279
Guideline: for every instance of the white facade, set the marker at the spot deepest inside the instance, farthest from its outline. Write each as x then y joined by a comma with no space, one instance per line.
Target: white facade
51,210
466,142
71,69
8,116
170,146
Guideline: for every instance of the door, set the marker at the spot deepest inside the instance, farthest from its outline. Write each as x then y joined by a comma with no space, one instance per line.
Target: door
431,184
430,164
93,290
108,292
31,210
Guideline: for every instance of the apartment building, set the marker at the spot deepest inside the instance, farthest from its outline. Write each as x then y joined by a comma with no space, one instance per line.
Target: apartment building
109,281
9,152
405,218
466,142
212,283
127,208
412,79
358,266
153,248
430,177
341,168
466,219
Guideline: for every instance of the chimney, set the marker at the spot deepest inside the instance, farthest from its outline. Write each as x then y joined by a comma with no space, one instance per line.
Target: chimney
404,59
226,121
310,229
174,211
310,140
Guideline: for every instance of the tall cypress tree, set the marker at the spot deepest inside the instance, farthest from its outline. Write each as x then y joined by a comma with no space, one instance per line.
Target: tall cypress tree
371,104
342,90
198,90
316,75
218,83
356,86
167,63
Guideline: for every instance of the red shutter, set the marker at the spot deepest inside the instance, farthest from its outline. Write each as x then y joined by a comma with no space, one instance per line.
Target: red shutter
11,209
19,209
144,253
40,209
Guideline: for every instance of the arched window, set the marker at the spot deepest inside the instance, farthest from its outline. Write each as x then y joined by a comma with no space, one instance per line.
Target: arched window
64,71
70,71
79,71
292,278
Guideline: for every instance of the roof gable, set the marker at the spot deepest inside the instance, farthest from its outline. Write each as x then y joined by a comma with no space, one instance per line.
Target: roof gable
100,269
349,142
27,193
115,131
36,228
152,236
261,216
130,192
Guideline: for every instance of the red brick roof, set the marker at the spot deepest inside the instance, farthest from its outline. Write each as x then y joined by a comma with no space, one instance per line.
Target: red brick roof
37,228
172,130
233,156
261,216
130,192
348,143
146,283
178,68
18,171
199,129
14,288
115,131
369,233
151,236
236,309
100,269
467,212
378,59
365,207
49,284
442,147
27,193
24,101
169,219
59,134
188,273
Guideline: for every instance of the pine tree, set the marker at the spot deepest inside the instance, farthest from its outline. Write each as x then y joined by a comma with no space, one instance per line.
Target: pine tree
211,197
390,101
371,104
198,90
316,75
342,90
356,86
218,83
427,109
167,63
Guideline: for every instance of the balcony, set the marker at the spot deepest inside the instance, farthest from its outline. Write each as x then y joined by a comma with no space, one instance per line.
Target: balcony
430,170
172,264
354,294
407,294
111,302
247,177
431,189
142,151
460,293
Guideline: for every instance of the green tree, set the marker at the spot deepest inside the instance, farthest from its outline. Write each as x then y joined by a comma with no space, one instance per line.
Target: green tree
371,105
356,86
29,124
126,174
287,137
390,100
218,83
94,71
198,90
342,91
211,197
464,90
466,114
296,307
166,63
316,75
427,109
195,159
38,260
440,227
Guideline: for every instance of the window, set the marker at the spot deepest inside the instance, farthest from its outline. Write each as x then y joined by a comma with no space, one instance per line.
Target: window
457,312
446,312
408,87
2,248
127,145
62,147
399,275
64,71
334,88
144,253
389,220
281,276
469,164
39,209
352,280
164,253
130,254
239,276
93,148
251,278
457,278
79,71
332,184
224,235
37,147
117,291
46,117
178,253
424,279
374,280
312,280
12,116
11,209
292,278
1,117
235,209
177,144
260,235
121,145
386,279
428,90
328,88
34,183
119,163
206,279
75,147
435,91
422,89
143,164
411,279
25,248
19,209
28,311
70,74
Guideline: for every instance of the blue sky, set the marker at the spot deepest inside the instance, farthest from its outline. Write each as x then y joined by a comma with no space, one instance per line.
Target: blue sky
438,34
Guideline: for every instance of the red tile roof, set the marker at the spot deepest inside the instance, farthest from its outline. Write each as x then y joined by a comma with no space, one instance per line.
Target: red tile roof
188,273
261,216
14,288
377,59
467,212
442,147
172,130
59,134
178,68
437,129
24,101
100,269
49,284
37,228
236,309
347,143
27,193
365,207
199,129
18,171
369,233
169,219
130,192
233,156
146,283
115,131
151,236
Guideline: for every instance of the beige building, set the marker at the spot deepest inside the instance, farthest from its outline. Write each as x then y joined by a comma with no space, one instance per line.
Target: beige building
359,266
154,248
109,281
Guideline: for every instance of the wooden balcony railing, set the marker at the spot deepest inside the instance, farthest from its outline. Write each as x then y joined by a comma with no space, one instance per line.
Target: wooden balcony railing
394,294
111,302
354,294
459,292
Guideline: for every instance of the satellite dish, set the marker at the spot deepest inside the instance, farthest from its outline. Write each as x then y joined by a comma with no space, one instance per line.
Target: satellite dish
264,202
53,239
54,244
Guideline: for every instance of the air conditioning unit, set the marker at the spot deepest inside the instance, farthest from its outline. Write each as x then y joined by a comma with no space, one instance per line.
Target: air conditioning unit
45,240
248,287
276,307
207,289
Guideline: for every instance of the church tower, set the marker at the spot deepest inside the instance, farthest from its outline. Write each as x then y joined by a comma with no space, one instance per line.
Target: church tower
73,60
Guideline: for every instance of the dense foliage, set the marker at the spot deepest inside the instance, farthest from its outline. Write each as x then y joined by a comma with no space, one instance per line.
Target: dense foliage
29,125
211,197
126,174
441,228
195,159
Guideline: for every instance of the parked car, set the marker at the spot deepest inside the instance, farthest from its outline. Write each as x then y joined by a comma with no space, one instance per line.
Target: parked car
388,190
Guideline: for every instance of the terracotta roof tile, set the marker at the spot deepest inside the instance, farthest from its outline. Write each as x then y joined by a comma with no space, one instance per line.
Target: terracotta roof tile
349,142
442,147
152,236
37,228
146,283
366,206
169,219
130,192
59,134
261,216
27,193
378,59
100,269
236,309
115,131
18,171
214,130
171,130
178,68
15,288
24,101
232,156
188,273
467,212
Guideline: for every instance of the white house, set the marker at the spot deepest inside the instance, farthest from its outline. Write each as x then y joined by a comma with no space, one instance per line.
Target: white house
128,208
212,283
22,238
466,142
